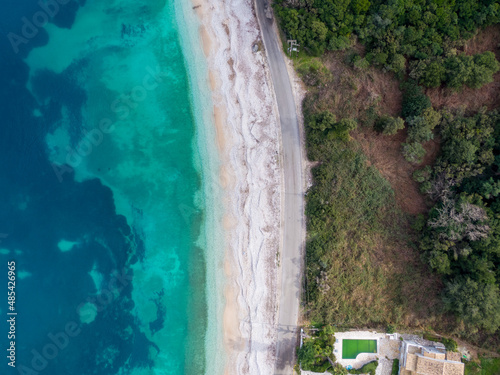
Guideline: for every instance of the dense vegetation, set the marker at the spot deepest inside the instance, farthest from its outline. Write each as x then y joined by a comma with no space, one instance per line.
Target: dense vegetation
316,353
485,366
365,265
425,32
461,236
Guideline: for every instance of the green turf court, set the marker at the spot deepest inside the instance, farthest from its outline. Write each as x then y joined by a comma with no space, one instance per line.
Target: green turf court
351,348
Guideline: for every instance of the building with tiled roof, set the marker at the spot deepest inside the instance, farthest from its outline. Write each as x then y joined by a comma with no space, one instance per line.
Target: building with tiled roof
418,359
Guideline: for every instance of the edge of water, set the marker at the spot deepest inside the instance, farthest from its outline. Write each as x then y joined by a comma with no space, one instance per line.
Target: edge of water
207,162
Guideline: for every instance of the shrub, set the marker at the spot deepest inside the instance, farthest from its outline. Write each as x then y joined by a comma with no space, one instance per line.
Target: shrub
419,130
398,63
361,64
425,187
369,368
473,71
380,58
419,223
433,74
476,303
341,129
390,125
413,152
395,367
339,370
422,175
414,100
322,121
450,344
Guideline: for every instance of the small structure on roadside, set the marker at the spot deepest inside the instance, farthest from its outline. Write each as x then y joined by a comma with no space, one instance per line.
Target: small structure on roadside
293,47
419,359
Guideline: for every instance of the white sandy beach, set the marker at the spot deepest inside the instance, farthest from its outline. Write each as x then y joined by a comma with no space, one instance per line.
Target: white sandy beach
248,139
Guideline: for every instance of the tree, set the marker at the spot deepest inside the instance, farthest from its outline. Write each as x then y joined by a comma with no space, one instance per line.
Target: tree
413,152
473,71
478,304
398,63
432,117
361,64
419,130
390,125
360,6
459,221
380,58
434,74
319,30
487,60
316,352
458,69
414,100
322,121
480,76
342,128
307,354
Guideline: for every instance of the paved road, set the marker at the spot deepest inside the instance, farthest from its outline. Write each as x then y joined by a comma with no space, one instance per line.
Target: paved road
291,258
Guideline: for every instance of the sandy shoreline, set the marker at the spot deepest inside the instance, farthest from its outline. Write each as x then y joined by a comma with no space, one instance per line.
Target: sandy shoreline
248,134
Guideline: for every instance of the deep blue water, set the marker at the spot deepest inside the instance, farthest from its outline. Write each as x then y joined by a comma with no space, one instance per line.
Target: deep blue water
39,209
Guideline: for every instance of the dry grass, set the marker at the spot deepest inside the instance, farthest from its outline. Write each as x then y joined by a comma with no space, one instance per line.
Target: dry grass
374,273
473,99
351,92
360,257
384,153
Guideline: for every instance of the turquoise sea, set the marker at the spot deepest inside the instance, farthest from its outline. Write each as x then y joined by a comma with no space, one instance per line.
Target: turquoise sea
110,189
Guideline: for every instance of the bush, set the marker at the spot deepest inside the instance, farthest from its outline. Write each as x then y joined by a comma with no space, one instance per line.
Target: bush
390,329
450,344
434,74
414,100
339,370
389,125
361,64
341,129
413,152
322,121
398,63
422,175
369,368
395,367
425,187
419,130
473,71
476,303
380,58
315,351
419,223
